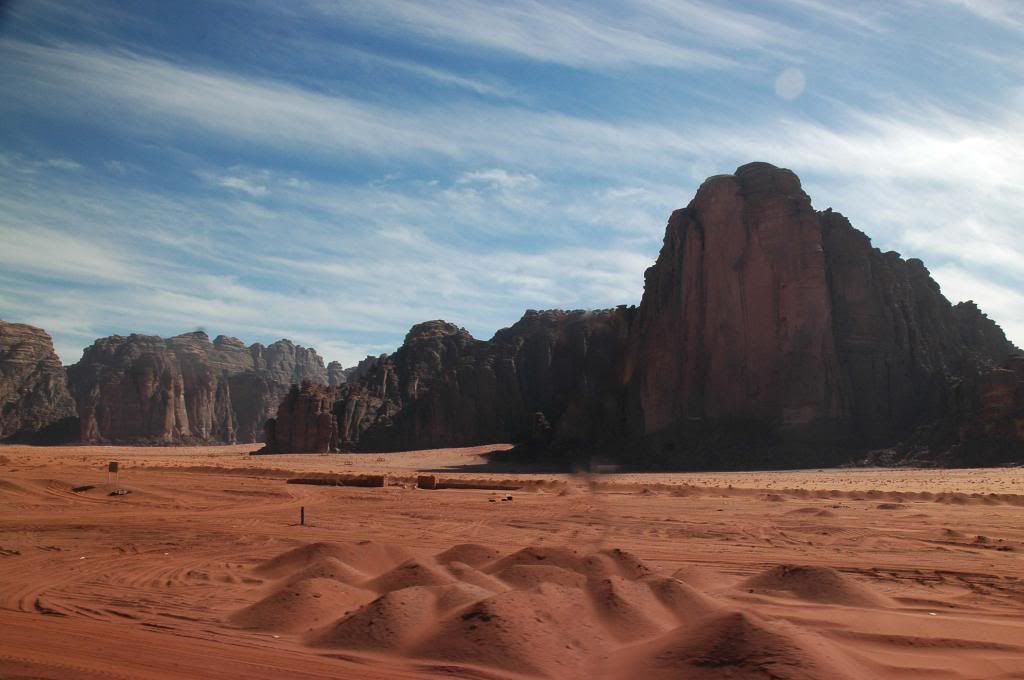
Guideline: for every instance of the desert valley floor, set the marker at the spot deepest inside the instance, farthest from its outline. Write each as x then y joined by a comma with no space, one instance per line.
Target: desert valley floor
202,570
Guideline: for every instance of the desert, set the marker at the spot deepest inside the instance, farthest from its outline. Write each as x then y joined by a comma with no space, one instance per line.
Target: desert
203,570
519,340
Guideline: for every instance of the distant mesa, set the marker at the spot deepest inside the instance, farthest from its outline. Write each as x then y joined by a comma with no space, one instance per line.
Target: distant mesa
35,403
769,335
150,390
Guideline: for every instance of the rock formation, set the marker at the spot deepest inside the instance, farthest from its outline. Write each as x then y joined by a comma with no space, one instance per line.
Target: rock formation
445,388
765,328
185,389
336,374
993,432
763,325
736,320
761,311
985,425
305,420
901,343
34,397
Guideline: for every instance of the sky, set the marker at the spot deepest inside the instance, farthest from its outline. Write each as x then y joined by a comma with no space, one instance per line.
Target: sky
334,171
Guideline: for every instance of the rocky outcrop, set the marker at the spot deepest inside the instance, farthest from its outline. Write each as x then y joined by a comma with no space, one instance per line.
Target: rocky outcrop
356,373
762,313
902,344
34,398
336,374
736,320
986,426
445,388
185,389
765,328
998,414
982,337
304,421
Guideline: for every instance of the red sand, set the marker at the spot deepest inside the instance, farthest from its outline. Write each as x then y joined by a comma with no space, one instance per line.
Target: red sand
203,571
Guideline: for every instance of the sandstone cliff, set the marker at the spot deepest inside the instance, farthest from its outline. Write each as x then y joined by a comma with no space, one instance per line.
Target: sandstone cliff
762,313
992,431
305,421
765,327
736,320
985,425
34,397
185,389
445,388
336,374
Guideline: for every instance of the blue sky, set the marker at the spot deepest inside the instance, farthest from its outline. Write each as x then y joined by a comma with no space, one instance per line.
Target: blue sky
335,171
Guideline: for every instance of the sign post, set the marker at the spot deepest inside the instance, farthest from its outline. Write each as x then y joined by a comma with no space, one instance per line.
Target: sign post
112,468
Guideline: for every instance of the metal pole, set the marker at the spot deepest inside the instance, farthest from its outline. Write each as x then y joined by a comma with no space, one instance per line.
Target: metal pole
302,515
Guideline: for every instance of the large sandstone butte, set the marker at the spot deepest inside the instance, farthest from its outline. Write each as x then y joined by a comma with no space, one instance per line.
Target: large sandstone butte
762,313
34,397
146,389
765,327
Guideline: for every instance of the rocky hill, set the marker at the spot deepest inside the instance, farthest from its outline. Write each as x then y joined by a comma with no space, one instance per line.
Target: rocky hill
185,389
34,398
766,328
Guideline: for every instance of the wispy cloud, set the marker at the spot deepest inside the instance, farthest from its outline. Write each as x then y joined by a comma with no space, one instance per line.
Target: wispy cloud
238,179
490,87
539,172
1006,13
20,163
864,18
380,274
559,34
157,97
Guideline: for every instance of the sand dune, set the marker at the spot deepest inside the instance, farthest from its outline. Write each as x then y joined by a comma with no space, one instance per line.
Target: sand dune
367,557
329,568
523,576
301,605
545,630
469,575
555,612
740,646
815,584
887,574
552,610
389,623
472,554
407,574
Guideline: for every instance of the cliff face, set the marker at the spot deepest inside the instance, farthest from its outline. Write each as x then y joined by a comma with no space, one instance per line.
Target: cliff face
736,320
445,388
33,392
146,389
305,421
997,418
763,324
336,374
761,311
900,341
985,425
